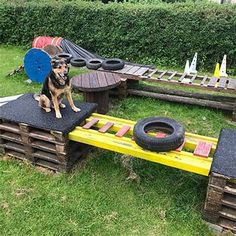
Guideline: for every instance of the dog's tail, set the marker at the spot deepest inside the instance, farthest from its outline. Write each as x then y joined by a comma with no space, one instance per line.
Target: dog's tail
36,97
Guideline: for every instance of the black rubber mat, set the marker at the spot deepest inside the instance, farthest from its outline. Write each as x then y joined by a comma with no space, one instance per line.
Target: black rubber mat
26,110
224,159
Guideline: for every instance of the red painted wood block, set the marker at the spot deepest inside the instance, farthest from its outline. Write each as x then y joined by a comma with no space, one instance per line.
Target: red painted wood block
124,129
90,123
203,149
160,135
179,149
105,127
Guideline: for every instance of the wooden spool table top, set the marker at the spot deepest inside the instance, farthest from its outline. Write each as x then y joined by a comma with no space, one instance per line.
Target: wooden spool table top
96,82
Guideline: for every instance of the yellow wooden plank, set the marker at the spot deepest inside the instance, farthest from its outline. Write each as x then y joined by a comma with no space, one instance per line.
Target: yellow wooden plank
180,160
191,139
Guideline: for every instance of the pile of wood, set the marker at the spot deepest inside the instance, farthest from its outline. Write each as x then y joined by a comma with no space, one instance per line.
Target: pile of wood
49,149
220,202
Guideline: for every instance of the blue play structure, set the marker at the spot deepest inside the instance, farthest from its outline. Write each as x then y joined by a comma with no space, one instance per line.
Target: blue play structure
37,65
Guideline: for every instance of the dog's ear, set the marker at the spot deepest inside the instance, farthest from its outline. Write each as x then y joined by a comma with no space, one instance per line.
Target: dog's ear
54,62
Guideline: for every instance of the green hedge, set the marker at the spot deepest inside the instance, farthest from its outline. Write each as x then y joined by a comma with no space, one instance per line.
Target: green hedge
164,33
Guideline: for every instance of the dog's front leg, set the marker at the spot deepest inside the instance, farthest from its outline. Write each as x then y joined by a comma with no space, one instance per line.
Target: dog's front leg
69,97
56,106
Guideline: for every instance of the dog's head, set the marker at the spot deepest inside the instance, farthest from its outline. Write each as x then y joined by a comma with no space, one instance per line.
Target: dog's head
61,69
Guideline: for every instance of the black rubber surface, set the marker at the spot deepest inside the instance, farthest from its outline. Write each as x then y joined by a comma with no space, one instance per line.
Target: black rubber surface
224,159
26,110
174,130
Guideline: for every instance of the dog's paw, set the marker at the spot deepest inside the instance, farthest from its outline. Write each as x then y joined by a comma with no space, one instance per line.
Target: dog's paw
62,105
76,109
47,109
58,115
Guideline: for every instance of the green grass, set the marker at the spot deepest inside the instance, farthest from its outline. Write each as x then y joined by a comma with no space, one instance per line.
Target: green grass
98,199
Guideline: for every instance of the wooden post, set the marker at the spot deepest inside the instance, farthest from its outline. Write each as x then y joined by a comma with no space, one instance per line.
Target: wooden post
101,98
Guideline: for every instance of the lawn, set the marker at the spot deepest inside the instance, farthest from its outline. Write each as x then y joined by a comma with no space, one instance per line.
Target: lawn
99,199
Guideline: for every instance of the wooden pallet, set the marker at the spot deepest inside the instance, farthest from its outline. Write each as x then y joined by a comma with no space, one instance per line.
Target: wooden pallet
49,149
220,204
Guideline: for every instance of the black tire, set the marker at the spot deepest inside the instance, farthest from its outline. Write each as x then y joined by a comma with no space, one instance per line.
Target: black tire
78,62
171,142
64,55
94,64
113,64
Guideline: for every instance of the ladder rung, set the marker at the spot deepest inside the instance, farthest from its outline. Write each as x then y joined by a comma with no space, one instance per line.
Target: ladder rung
124,129
180,148
173,75
106,127
160,135
202,149
90,123
182,77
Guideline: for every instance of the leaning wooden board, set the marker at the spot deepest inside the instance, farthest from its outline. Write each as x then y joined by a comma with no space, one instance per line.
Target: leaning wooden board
154,75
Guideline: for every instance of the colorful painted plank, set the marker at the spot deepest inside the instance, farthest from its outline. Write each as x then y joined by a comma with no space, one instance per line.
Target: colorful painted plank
124,129
231,84
160,135
212,82
106,127
180,148
203,149
222,83
90,123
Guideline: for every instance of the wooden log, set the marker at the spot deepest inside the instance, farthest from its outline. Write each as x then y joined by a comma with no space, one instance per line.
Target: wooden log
219,98
172,98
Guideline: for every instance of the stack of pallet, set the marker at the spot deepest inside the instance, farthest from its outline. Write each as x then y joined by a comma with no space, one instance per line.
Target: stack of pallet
220,202
49,149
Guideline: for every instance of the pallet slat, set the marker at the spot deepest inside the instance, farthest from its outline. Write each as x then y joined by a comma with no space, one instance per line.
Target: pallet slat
212,82
222,83
182,77
173,75
124,129
106,127
231,84
203,149
141,71
90,123
162,74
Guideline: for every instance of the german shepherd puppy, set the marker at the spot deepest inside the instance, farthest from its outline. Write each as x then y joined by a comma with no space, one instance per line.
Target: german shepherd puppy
55,86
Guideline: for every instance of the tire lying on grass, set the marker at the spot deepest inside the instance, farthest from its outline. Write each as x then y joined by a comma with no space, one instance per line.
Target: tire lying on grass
94,64
113,64
64,55
174,130
78,62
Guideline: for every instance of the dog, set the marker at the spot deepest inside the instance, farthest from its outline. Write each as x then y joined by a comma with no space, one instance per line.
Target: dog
55,87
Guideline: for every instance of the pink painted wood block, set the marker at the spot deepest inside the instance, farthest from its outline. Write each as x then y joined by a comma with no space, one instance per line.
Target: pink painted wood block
106,127
202,149
124,129
160,135
180,148
90,123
